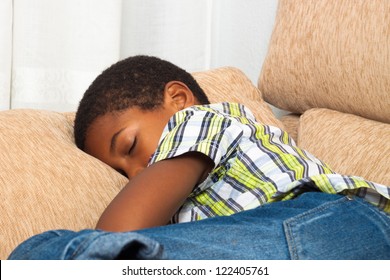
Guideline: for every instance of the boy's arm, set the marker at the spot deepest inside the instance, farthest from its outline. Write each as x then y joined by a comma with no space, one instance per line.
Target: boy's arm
152,197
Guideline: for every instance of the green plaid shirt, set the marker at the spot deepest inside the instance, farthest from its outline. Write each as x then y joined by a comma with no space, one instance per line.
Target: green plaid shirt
254,163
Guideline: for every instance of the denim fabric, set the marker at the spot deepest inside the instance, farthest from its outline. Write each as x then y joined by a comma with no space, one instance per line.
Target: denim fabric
312,226
87,244
340,229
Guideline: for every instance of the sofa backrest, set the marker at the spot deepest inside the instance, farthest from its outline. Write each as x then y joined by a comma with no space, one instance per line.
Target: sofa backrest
330,54
334,56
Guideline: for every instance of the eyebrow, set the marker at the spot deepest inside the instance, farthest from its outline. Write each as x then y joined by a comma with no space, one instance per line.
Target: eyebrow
114,139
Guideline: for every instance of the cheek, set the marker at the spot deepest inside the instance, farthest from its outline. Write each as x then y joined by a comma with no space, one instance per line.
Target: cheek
148,149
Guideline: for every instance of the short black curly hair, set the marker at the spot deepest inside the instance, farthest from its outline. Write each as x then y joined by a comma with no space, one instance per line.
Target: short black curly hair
135,81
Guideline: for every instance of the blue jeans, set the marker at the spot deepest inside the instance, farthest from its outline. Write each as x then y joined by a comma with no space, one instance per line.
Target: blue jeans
312,226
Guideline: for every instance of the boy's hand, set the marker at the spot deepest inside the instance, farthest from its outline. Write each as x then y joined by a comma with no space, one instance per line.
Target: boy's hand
152,197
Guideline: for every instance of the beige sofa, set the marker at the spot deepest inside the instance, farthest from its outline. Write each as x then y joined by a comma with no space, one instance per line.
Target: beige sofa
329,63
325,63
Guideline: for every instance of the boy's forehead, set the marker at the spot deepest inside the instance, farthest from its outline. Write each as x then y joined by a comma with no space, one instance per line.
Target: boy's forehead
102,128
116,119
112,117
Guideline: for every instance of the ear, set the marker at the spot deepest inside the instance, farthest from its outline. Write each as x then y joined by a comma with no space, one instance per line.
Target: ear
179,95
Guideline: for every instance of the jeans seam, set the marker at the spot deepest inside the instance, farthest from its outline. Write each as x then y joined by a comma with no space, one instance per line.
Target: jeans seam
86,243
83,245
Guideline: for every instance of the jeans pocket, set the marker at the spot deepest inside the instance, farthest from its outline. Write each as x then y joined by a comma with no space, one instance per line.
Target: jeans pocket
347,228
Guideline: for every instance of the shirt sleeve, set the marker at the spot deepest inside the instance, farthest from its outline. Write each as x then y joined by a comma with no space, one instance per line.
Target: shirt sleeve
199,130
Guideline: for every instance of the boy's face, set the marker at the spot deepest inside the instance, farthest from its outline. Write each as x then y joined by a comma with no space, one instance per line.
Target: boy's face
127,140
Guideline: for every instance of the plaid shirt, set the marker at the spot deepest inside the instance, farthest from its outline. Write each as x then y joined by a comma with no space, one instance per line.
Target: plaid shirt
254,163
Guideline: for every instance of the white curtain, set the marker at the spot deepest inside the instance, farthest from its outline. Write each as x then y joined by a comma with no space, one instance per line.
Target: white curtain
59,47
176,30
51,50
5,52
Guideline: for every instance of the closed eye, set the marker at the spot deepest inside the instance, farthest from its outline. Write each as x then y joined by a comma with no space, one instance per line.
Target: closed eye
132,146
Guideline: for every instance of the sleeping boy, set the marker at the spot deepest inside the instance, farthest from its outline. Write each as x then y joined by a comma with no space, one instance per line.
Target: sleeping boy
187,159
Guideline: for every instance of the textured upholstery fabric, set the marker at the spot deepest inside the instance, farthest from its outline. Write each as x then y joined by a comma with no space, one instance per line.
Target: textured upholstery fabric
291,123
350,144
47,183
330,54
231,84
335,55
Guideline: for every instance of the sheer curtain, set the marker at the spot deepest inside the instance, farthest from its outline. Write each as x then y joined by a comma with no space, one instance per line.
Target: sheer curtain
51,50
59,47
176,30
5,52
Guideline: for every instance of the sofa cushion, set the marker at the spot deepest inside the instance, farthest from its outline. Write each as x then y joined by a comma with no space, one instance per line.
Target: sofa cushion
45,181
330,54
291,123
231,84
351,145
